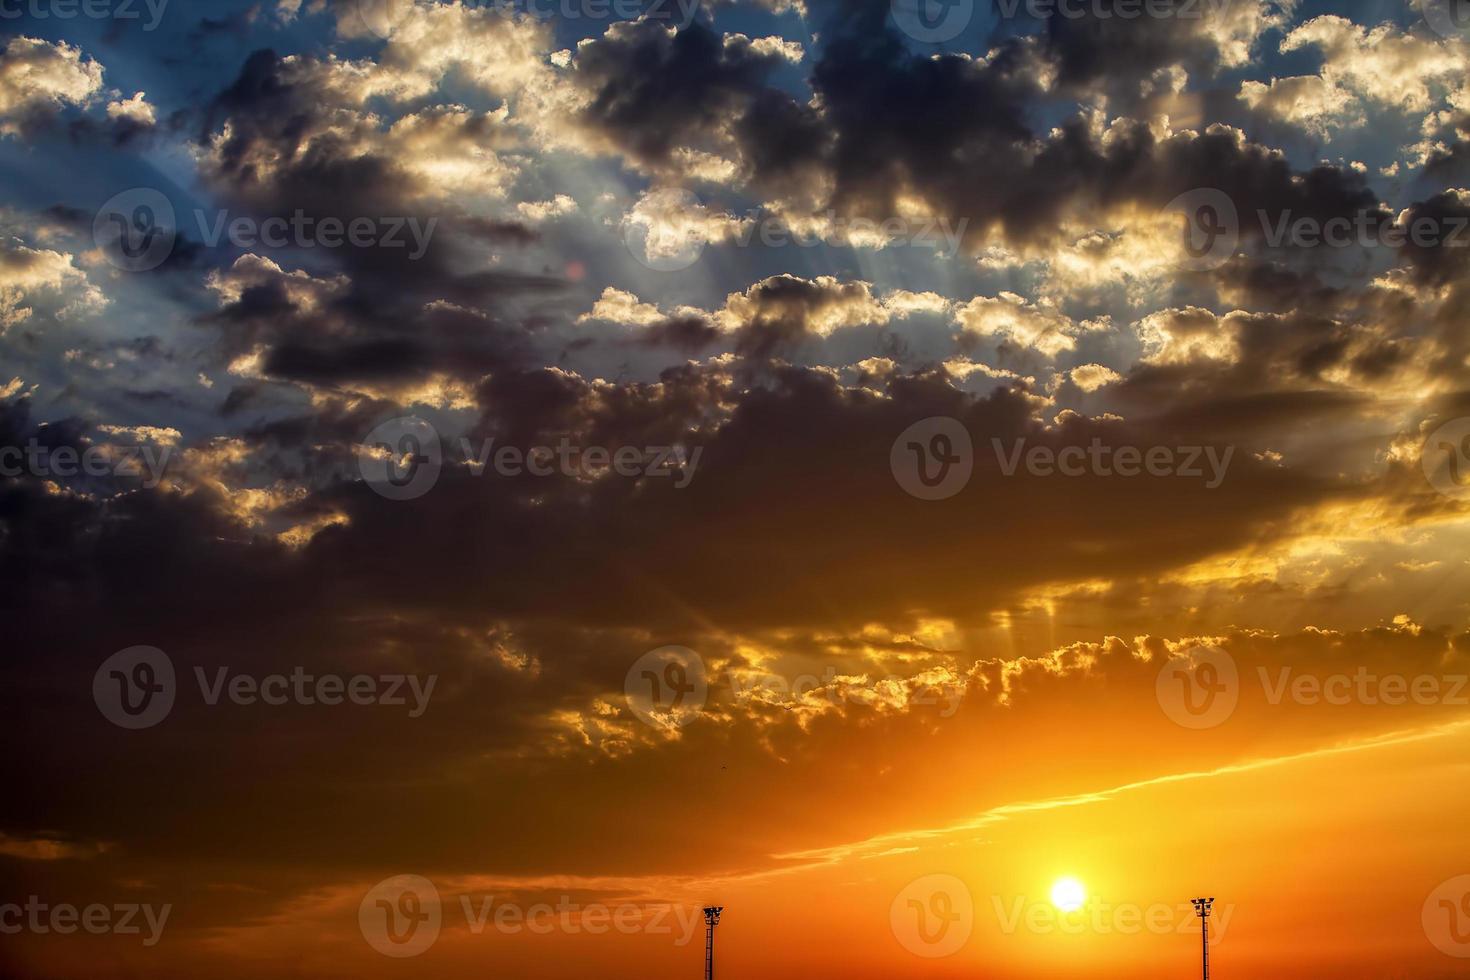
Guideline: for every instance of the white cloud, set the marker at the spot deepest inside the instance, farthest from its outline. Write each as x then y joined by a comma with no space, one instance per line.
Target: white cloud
617,306
40,277
1381,65
1312,102
136,109
1091,377
538,211
1037,325
39,77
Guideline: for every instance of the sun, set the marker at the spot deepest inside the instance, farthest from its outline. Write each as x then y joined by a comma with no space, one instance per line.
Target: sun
1068,894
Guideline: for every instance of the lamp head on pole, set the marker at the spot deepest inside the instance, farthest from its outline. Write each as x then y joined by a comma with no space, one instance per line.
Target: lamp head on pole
1202,906
712,914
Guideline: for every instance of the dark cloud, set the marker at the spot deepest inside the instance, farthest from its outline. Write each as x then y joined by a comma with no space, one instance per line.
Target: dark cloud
652,91
685,333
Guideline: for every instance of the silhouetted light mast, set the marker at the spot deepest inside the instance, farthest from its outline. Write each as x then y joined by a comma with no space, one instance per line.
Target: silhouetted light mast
1202,909
711,919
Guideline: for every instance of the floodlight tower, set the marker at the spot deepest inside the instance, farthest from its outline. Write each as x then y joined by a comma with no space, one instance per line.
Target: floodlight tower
1202,909
711,919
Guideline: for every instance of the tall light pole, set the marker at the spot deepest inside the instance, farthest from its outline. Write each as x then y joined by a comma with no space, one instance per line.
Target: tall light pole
1202,909
711,919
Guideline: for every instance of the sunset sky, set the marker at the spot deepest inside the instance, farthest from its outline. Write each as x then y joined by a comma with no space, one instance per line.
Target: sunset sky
948,481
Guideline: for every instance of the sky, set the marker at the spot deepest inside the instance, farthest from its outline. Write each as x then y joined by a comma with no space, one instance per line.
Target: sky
946,482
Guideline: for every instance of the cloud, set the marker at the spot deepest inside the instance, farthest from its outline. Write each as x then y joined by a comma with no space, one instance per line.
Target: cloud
32,277
38,79
1091,377
1010,317
136,109
1380,64
1312,102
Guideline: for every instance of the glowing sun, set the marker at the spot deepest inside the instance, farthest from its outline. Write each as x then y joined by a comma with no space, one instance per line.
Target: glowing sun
1068,894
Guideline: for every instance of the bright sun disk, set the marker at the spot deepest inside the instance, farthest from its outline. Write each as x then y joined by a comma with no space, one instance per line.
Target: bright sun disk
1068,894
